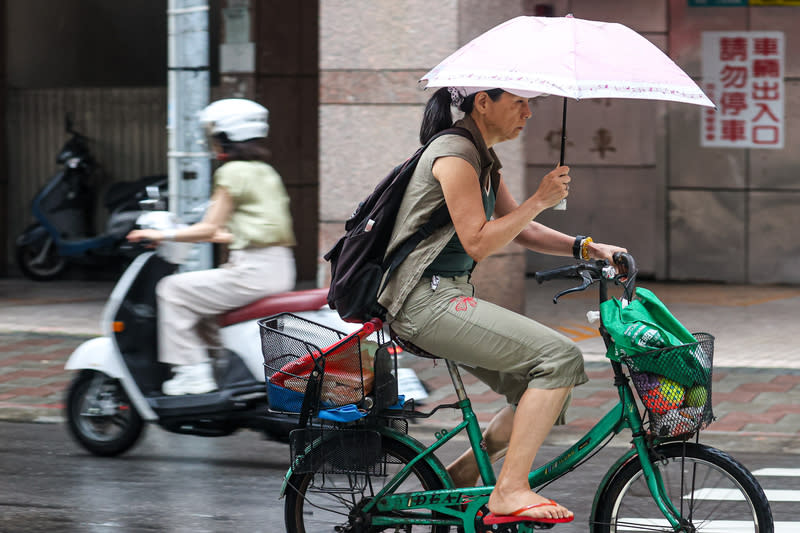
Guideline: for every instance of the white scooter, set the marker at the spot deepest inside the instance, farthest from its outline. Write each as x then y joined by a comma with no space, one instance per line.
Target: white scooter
118,385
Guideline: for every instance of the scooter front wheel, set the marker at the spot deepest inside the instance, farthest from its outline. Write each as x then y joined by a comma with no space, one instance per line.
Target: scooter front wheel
100,416
40,261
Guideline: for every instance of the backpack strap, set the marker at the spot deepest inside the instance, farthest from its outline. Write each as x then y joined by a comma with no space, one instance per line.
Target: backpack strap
439,218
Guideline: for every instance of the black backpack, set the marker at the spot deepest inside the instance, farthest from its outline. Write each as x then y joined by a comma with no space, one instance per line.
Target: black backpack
357,259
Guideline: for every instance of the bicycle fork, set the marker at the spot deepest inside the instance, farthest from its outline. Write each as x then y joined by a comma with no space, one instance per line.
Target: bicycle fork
655,482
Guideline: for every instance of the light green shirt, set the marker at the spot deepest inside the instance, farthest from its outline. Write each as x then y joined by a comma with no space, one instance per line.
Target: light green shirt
260,215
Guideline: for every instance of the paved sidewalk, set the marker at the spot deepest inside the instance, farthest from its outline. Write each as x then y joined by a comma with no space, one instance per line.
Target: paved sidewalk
756,363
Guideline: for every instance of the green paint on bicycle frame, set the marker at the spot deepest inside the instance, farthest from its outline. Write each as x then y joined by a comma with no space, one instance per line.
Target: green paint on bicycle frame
470,423
623,415
422,454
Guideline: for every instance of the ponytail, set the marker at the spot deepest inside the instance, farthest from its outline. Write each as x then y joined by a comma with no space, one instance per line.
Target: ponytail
437,116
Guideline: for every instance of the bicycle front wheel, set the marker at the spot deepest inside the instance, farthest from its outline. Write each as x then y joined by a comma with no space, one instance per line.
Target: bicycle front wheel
317,502
712,491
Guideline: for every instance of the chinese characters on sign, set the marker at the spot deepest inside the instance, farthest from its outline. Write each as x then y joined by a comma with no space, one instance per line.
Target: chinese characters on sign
743,76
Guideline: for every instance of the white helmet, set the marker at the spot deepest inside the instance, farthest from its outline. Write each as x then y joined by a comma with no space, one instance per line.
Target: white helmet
239,119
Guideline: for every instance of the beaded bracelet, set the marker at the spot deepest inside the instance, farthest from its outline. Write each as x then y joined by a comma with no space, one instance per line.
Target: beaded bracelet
585,248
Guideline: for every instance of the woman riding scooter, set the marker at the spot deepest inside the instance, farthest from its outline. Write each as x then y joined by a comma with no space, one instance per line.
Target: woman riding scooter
249,211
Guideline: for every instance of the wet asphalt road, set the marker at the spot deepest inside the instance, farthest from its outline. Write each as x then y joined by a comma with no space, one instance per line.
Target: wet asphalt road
177,483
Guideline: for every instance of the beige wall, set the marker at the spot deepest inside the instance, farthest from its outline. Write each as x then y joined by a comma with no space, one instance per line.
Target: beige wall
371,108
686,212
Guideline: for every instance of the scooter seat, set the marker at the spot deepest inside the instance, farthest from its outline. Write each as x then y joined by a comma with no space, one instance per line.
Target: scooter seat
285,302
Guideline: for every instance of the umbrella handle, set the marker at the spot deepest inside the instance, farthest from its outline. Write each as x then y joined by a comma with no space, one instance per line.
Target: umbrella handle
563,131
562,205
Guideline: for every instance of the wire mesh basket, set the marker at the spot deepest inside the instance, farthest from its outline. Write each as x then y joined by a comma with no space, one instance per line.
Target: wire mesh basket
353,449
296,349
674,385
336,450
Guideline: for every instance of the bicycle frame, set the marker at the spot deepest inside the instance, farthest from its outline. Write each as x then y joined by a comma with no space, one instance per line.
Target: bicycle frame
461,504
624,414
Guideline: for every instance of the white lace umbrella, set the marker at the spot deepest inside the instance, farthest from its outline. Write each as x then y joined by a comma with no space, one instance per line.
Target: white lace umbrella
569,57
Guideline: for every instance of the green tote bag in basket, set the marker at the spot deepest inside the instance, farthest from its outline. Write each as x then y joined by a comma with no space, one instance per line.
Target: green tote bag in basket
642,328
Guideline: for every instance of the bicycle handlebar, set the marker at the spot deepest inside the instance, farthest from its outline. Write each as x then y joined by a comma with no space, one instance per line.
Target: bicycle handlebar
592,271
568,271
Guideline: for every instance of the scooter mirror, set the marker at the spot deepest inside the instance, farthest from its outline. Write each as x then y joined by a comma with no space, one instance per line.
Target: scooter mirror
150,204
153,202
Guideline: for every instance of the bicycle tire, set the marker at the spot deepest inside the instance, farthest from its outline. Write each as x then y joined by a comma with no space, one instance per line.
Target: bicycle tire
712,490
310,510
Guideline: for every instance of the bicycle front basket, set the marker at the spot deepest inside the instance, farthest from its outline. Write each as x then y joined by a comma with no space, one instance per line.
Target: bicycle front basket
674,385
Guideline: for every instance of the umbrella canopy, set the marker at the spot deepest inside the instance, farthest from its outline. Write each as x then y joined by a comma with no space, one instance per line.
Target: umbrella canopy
569,57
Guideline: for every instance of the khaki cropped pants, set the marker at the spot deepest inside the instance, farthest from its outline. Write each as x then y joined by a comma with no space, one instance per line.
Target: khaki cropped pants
189,302
507,351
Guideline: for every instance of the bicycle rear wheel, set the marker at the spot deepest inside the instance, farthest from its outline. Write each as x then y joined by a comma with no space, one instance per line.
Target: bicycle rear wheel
317,502
712,490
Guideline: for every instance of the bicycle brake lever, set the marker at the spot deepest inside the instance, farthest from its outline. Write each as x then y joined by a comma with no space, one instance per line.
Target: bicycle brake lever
587,280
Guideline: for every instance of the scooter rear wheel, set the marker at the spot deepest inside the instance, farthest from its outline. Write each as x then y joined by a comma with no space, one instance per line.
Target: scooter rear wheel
100,416
40,263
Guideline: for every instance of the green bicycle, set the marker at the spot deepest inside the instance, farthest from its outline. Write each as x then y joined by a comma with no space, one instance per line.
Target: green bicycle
355,469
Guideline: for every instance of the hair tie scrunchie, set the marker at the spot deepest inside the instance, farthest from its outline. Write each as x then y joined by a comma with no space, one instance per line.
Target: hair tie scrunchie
456,98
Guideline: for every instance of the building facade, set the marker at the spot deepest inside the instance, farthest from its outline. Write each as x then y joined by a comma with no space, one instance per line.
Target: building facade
340,80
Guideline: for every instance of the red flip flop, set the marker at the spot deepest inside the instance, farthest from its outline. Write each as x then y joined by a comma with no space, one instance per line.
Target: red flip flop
492,519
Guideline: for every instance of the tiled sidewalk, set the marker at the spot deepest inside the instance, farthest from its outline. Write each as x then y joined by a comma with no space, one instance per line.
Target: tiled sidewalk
745,400
32,376
756,363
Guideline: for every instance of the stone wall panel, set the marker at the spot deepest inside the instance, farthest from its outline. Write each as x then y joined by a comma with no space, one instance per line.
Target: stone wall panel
707,235
774,249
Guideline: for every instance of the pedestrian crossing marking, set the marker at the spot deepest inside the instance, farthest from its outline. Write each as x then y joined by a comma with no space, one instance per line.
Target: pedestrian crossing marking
715,526
777,472
733,495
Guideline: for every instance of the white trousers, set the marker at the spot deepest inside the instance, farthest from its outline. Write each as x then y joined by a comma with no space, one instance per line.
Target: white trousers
189,302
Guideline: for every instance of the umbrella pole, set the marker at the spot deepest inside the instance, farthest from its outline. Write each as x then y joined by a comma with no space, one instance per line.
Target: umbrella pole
562,205
563,131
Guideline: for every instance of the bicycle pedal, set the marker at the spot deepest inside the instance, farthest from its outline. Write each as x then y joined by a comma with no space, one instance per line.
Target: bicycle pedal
480,527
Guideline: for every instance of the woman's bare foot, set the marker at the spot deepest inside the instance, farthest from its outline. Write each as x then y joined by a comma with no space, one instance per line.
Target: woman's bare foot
509,502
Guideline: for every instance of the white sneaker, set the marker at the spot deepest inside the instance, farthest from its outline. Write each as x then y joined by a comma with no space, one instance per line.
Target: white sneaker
190,379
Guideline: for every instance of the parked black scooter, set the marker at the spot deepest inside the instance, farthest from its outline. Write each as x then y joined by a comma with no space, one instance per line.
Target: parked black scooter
64,231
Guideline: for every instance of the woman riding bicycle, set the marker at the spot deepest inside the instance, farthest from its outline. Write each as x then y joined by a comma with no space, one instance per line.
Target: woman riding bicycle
430,299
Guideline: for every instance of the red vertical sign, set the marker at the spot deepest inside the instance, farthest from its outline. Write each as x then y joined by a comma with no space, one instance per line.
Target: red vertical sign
743,75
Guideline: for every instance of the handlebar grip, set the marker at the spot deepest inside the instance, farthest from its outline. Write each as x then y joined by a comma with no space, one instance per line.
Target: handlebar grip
625,259
569,271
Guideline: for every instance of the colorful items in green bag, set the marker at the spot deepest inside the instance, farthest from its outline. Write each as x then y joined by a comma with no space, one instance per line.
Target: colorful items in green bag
667,395
644,325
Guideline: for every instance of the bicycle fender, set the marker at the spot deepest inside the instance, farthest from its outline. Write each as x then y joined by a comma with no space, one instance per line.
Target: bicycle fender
622,462
411,442
418,447
610,475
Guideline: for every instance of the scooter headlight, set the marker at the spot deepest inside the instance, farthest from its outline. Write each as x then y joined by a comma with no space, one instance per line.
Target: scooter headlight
73,162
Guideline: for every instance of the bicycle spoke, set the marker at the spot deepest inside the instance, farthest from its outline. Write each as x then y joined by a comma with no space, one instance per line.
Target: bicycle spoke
316,501
710,489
